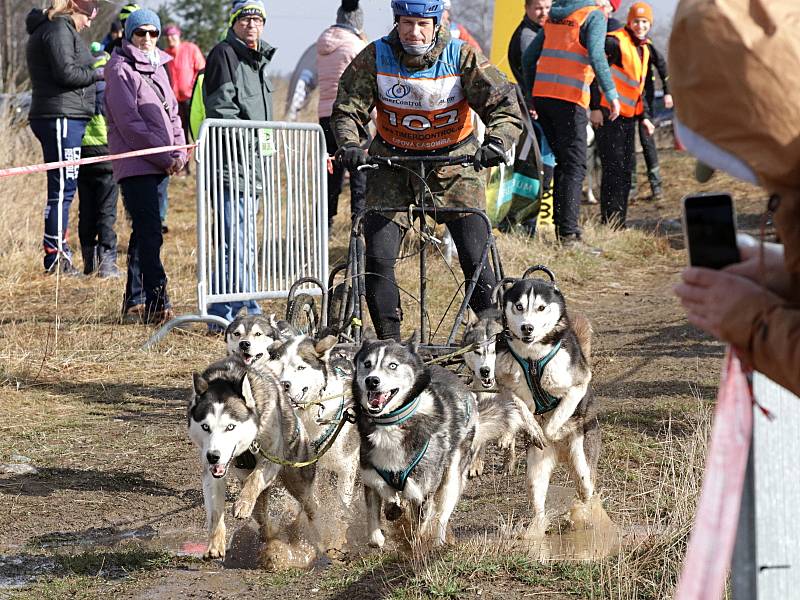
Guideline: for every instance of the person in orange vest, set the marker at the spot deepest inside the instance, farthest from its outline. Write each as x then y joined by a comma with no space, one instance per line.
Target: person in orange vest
559,67
629,56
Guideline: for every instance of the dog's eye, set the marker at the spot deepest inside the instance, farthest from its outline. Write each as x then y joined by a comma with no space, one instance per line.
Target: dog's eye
519,306
258,334
301,367
392,366
230,427
236,334
205,427
541,308
367,364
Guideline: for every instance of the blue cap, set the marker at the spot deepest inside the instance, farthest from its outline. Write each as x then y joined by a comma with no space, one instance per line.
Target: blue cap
138,18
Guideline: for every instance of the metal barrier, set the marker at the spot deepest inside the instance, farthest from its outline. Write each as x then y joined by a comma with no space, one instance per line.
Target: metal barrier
262,213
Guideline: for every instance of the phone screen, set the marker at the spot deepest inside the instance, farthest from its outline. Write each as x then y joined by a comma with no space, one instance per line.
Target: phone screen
710,231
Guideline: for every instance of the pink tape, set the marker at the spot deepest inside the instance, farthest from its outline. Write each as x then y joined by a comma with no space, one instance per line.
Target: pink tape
708,555
88,161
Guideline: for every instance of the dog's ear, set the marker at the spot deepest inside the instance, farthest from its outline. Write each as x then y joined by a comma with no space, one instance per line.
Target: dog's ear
470,318
324,346
273,348
369,334
247,393
273,321
200,384
412,343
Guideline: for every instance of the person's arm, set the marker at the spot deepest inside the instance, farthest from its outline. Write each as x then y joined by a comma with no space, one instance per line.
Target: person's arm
59,47
219,85
199,60
355,99
657,59
177,127
529,59
597,46
122,92
490,95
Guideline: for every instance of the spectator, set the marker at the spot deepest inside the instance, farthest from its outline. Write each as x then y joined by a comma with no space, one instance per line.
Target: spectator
236,64
569,48
336,47
628,54
753,305
657,63
457,30
62,102
187,61
142,113
124,12
115,32
536,12
97,190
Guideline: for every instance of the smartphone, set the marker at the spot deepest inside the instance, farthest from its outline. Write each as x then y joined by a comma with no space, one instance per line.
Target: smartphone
709,226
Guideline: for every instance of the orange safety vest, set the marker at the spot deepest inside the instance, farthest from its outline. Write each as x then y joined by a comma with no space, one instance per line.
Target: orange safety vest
564,70
630,78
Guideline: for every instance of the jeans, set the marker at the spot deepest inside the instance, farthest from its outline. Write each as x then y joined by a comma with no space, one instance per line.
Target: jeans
615,143
61,140
163,199
243,277
147,280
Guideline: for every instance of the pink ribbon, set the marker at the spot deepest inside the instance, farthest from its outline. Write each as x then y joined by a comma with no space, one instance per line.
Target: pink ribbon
708,555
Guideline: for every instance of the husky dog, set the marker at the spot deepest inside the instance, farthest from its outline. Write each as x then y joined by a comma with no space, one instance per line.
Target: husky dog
251,336
480,334
545,362
318,388
233,406
418,426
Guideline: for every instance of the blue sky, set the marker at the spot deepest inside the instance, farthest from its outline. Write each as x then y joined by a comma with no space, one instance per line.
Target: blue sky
292,25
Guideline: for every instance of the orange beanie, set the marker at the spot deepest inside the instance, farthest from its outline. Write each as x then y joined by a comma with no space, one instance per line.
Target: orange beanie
640,10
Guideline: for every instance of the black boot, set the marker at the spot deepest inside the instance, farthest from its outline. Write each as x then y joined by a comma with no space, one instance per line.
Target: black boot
89,259
654,176
108,264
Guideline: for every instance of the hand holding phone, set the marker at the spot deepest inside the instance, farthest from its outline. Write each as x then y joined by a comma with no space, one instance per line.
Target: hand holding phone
709,226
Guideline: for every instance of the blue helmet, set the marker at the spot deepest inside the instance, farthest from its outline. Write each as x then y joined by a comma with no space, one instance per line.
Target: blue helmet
423,9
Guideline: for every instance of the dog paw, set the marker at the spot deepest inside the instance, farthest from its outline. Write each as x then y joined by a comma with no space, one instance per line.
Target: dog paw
243,508
475,469
376,539
537,528
392,511
215,551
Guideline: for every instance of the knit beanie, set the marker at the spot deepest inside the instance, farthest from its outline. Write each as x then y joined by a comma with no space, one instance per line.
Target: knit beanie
640,10
247,8
143,16
615,4
350,13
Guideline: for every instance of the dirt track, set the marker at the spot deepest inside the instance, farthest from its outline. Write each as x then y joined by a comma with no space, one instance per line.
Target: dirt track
116,497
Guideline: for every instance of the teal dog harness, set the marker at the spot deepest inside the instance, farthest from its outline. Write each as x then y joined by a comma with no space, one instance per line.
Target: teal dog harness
533,369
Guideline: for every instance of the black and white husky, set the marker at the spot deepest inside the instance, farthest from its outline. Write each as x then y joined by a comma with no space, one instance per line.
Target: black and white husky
251,336
233,406
545,362
419,427
319,389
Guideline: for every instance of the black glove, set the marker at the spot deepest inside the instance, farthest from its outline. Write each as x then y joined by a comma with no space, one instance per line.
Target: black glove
490,154
351,156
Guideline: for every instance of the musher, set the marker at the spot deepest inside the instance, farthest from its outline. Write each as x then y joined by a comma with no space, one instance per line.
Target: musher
422,84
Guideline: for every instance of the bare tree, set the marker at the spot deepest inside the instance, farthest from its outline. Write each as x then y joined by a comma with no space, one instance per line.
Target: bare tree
478,17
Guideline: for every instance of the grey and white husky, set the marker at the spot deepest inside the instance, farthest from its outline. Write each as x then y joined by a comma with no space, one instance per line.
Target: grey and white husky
319,390
480,334
545,362
251,336
419,426
232,406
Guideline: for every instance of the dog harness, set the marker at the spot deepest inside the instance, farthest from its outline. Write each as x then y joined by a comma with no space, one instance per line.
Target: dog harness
533,369
397,479
318,443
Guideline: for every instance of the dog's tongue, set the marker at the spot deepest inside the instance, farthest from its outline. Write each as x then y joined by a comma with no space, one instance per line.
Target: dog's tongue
248,358
218,470
379,399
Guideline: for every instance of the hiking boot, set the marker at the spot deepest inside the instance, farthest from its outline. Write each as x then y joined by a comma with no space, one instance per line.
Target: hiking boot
574,242
135,314
63,264
89,254
657,192
108,265
159,316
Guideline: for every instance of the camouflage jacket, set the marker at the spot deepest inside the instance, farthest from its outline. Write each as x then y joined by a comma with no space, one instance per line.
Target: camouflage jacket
487,90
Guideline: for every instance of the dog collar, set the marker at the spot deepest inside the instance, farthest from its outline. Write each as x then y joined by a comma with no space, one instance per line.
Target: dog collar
533,369
396,417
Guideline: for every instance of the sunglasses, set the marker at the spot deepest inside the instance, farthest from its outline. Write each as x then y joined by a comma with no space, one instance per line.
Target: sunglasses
146,32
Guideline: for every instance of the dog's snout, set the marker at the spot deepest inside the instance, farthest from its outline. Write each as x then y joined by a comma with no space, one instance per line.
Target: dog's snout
372,382
287,385
527,329
485,371
212,457
244,345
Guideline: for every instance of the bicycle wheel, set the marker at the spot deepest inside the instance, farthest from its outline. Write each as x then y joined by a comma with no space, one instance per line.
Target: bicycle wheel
301,313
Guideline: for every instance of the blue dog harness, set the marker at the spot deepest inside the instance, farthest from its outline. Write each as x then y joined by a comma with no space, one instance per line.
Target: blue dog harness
533,369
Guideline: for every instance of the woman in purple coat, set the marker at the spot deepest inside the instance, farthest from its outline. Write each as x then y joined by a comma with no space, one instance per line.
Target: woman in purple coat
142,113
